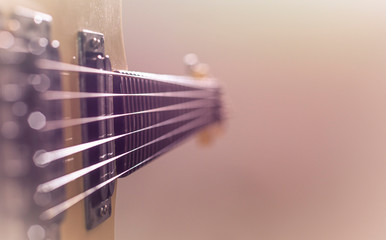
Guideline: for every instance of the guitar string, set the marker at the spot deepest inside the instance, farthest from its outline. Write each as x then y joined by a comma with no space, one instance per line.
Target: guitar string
65,179
56,210
64,95
172,79
74,68
209,82
133,74
64,123
45,158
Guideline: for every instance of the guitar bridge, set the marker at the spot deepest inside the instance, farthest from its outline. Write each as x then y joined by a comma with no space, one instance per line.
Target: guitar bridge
92,54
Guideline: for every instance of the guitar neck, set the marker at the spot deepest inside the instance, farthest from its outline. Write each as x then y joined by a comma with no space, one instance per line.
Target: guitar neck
74,124
144,113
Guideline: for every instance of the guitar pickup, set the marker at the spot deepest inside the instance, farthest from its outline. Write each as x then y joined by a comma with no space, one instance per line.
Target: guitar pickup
92,54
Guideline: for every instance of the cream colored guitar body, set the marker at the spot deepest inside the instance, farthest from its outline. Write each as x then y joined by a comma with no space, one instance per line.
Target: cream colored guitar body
69,17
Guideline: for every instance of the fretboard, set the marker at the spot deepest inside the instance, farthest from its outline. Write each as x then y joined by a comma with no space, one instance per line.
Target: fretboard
145,117
159,121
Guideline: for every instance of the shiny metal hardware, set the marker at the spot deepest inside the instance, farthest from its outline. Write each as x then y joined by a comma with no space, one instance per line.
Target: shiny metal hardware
92,54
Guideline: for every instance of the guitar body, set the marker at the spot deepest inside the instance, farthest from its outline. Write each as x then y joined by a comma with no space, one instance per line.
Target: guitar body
85,120
69,17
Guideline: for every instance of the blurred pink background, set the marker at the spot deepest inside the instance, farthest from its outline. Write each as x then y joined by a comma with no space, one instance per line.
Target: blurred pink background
304,151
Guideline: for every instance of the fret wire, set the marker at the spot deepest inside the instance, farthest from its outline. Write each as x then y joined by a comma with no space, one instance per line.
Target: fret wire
48,157
57,124
63,95
56,210
171,79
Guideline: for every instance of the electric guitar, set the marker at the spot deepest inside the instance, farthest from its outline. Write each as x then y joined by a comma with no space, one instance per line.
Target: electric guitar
73,119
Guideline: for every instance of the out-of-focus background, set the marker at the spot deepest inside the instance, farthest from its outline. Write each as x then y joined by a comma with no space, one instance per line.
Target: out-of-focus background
304,151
